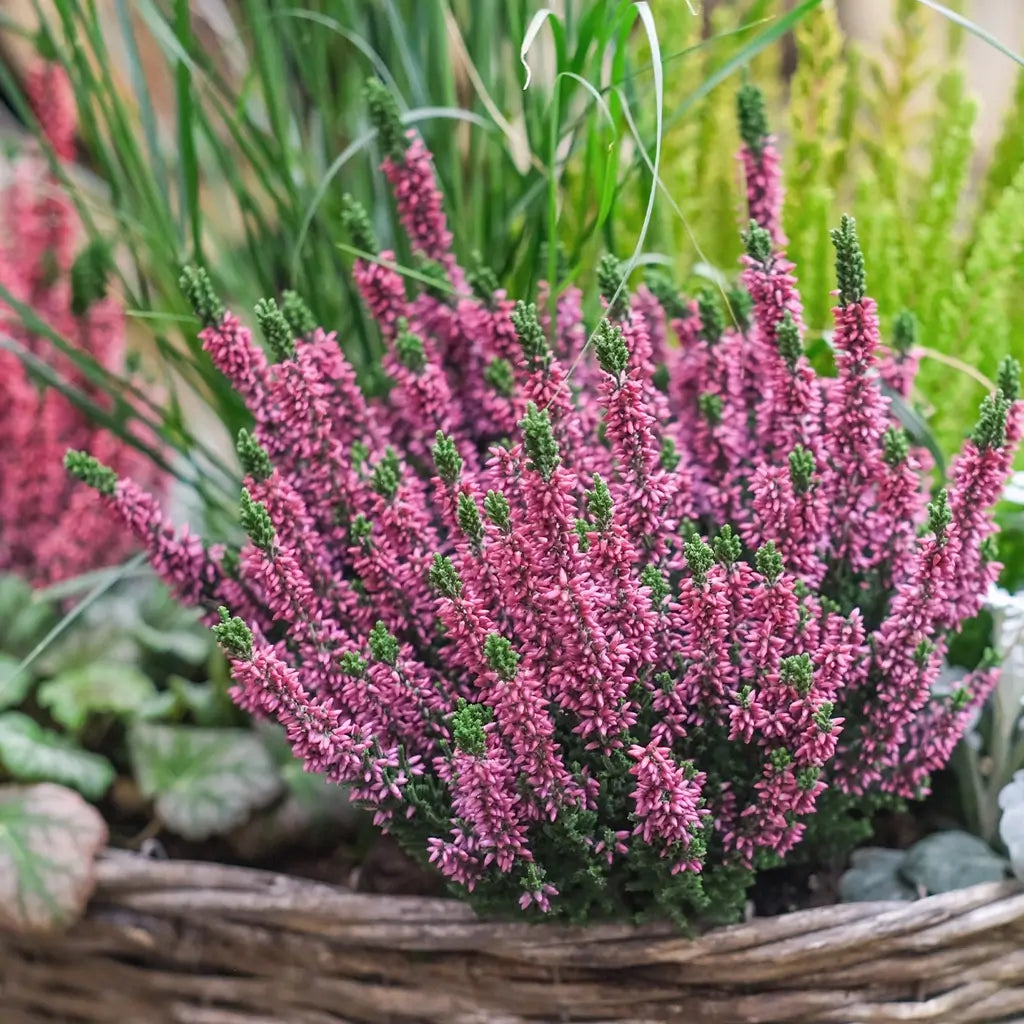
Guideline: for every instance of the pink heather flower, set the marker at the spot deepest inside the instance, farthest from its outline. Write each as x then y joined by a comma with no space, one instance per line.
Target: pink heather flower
420,207
570,620
666,803
47,531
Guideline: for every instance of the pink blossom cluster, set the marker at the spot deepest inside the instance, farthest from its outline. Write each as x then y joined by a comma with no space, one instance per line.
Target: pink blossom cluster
573,609
48,530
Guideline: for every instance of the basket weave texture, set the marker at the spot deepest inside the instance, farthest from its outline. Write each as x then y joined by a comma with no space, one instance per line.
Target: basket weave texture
173,942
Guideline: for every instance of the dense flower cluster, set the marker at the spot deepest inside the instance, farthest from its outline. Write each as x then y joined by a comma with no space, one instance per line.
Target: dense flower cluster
594,641
47,530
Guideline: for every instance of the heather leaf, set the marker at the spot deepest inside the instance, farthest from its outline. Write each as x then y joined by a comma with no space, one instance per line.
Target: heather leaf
96,688
203,782
49,837
31,753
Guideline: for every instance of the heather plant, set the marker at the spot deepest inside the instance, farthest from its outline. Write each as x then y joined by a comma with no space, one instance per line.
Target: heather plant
48,532
599,622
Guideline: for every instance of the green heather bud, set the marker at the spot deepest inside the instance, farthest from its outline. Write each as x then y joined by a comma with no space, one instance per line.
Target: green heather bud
599,504
758,243
447,460
230,563
359,453
991,429
780,759
198,289
276,330
823,716
712,322
609,277
582,528
939,516
355,222
654,579
904,332
387,475
444,577
539,441
699,557
990,658
960,699
234,636
670,457
91,471
788,336
255,520
353,664
895,446
437,283
497,509
849,262
469,519
299,316
923,653
468,727
768,561
530,333
253,456
741,304
801,469
1009,379
989,549
611,348
383,646
727,546
753,121
482,279
665,681
501,656
664,290
710,407
798,672
409,350
500,377
386,119
360,530
90,276
807,777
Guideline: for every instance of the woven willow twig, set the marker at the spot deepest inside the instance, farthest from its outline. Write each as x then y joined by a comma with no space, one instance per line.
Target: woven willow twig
189,943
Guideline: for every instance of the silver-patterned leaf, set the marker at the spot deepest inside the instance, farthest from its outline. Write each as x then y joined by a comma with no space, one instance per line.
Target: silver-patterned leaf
49,838
203,781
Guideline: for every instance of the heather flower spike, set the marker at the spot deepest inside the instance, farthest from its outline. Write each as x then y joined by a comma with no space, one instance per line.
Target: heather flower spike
49,529
597,644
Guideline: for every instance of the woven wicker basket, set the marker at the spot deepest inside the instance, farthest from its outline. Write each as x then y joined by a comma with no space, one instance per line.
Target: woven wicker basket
191,943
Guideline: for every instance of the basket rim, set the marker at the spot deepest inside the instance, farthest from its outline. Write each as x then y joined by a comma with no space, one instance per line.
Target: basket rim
168,886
